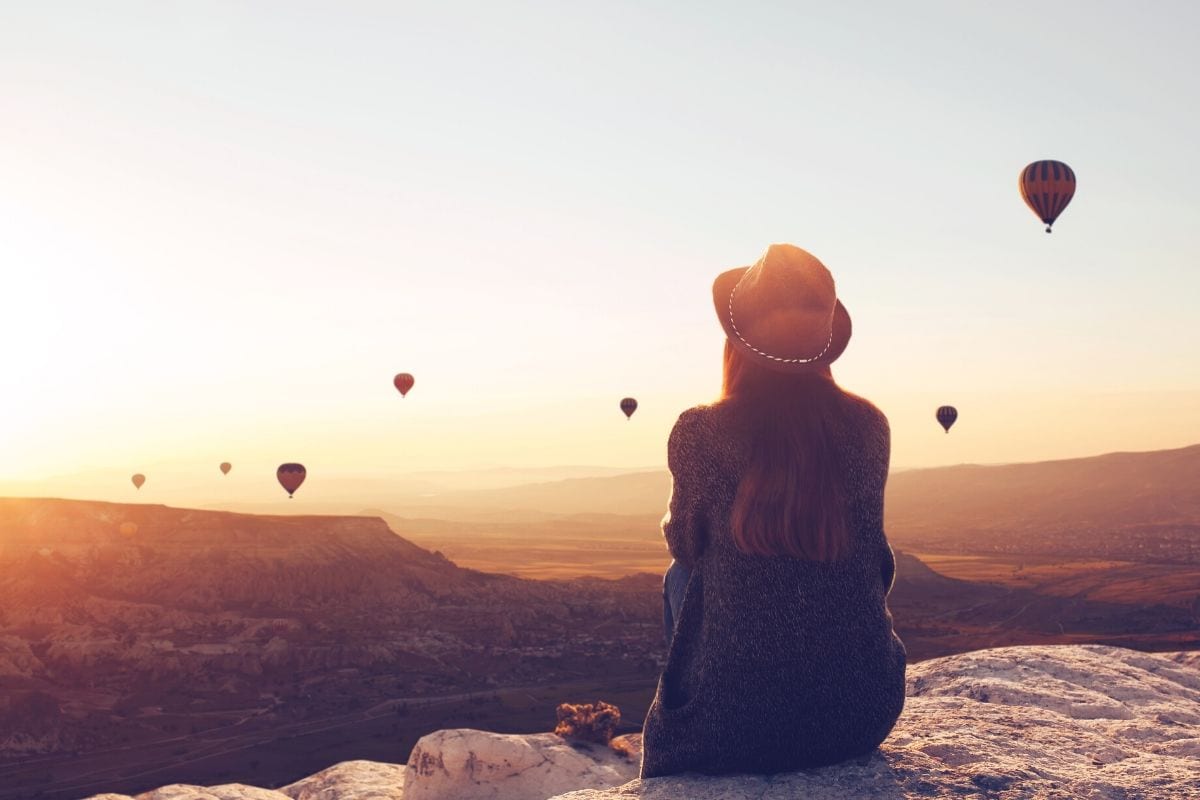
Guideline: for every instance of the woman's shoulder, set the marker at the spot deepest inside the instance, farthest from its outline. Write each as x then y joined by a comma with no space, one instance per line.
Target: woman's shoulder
709,423
868,430
698,415
866,414
693,425
700,434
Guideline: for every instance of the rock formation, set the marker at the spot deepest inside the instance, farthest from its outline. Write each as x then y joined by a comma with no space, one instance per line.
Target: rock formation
477,765
361,780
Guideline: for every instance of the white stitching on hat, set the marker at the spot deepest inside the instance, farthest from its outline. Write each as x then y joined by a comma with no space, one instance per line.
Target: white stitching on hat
824,349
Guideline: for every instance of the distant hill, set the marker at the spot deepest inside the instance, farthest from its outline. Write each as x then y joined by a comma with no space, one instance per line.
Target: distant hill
186,558
1161,486
1157,488
634,493
58,551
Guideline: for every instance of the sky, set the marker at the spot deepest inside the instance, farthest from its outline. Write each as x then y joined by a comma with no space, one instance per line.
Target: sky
225,226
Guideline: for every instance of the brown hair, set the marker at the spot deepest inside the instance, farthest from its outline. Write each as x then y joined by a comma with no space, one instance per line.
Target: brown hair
792,498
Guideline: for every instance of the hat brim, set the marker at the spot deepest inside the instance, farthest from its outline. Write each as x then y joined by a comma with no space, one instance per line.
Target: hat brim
722,289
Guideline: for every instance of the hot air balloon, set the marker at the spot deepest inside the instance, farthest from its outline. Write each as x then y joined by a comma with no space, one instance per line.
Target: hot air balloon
629,405
403,383
128,528
290,477
1047,187
946,416
138,480
225,467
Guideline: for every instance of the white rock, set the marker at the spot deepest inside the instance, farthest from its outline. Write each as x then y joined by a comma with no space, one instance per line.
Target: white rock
227,791
465,764
351,780
1070,722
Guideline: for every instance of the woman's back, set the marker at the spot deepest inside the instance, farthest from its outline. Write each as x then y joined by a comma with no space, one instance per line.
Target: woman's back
777,662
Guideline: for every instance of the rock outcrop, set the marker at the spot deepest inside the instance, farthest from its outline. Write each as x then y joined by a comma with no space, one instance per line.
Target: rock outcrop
478,765
183,791
361,780
1064,723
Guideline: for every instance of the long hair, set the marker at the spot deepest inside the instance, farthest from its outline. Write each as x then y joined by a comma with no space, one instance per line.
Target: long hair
792,498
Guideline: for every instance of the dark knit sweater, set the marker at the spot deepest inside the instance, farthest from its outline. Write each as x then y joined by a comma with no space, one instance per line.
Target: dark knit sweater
778,663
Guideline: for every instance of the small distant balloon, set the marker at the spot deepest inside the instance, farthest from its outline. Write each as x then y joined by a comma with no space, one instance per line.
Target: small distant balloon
403,382
290,477
1047,187
129,528
225,467
138,480
629,405
946,416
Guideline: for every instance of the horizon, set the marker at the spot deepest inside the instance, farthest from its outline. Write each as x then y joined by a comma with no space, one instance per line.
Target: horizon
410,497
230,227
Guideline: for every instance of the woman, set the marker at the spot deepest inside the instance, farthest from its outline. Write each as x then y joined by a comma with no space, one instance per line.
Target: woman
783,654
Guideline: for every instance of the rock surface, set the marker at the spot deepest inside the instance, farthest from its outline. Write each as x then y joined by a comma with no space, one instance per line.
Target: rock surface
1070,722
356,780
466,764
183,791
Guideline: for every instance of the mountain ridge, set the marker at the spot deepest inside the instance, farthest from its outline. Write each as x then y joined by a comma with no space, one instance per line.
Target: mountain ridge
1099,487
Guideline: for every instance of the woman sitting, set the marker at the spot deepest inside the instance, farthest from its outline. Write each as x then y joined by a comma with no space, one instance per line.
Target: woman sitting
782,654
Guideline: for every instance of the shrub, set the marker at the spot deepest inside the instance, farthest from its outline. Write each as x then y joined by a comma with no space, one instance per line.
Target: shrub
588,722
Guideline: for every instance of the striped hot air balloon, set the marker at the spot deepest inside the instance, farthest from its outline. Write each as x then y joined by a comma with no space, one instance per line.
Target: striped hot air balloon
629,405
946,416
1047,187
138,480
290,477
403,382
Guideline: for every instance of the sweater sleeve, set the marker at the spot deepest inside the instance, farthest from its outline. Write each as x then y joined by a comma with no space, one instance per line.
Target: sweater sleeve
888,568
888,558
684,525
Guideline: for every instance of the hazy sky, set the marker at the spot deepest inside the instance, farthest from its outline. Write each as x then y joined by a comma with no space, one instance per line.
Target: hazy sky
225,226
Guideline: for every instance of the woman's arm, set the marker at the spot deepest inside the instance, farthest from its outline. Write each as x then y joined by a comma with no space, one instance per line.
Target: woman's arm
887,566
683,526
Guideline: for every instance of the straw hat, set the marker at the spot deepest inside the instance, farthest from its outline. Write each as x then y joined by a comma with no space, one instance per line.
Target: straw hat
783,311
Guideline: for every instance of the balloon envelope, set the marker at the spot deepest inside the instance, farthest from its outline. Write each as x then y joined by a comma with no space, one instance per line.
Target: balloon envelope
946,416
225,467
290,476
629,405
138,480
1047,187
403,382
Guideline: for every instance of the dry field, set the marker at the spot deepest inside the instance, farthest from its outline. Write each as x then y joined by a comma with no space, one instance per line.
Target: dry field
1124,582
602,545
